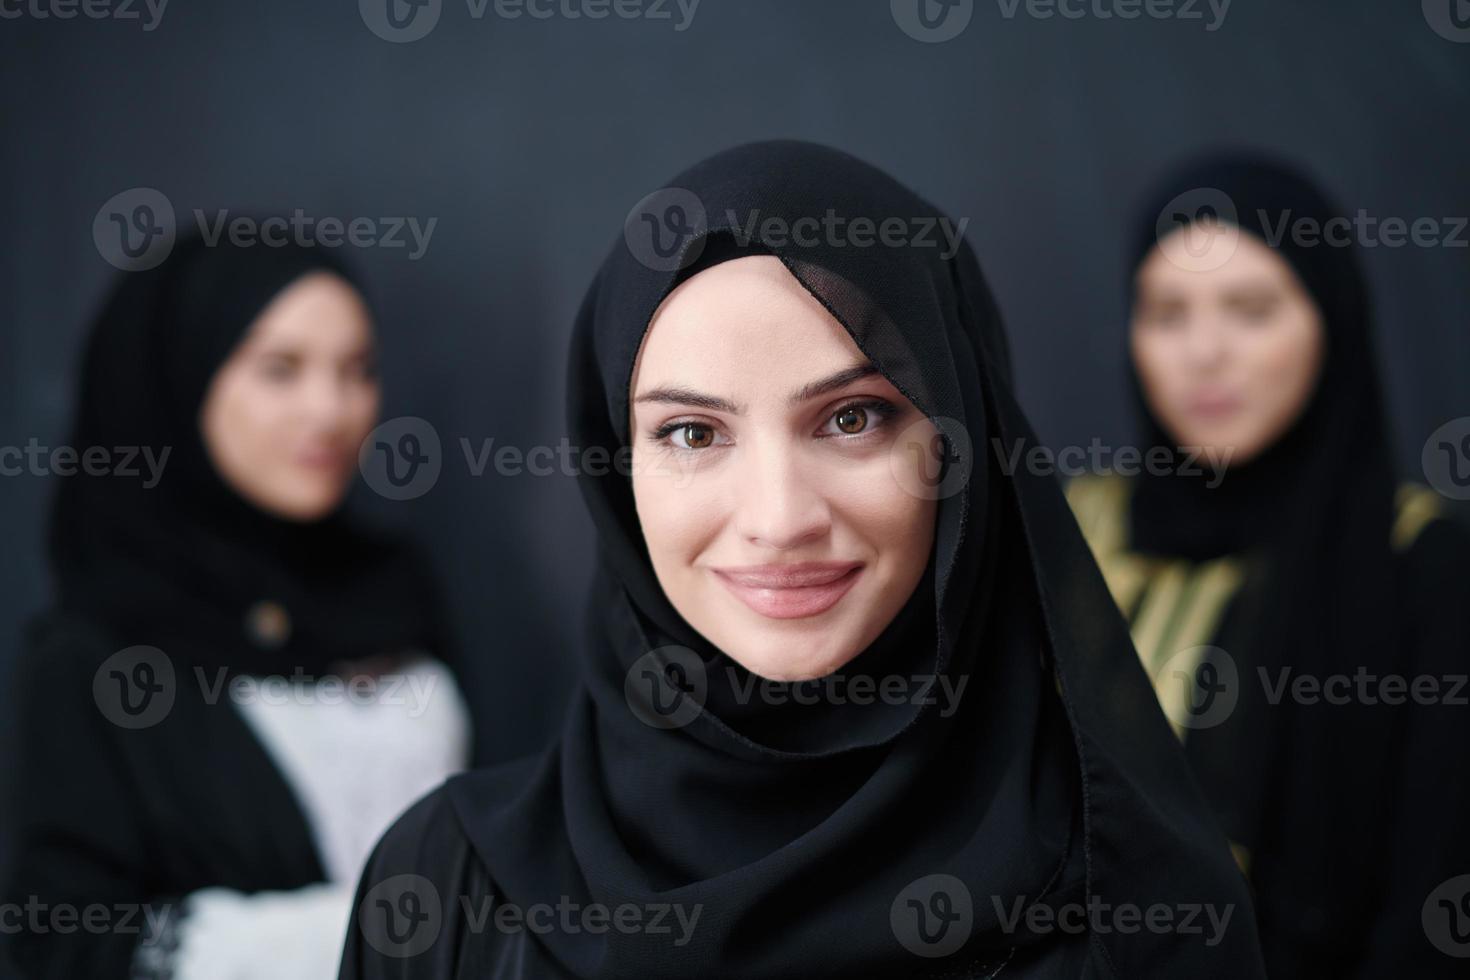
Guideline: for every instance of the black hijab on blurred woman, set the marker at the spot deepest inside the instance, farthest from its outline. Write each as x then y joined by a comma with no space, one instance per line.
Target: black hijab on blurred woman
824,836
1305,559
138,784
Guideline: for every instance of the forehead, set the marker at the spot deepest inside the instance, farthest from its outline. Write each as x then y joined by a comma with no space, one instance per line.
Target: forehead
1237,259
746,318
318,306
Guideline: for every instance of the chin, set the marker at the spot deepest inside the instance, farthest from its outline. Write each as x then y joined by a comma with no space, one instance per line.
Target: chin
305,508
791,660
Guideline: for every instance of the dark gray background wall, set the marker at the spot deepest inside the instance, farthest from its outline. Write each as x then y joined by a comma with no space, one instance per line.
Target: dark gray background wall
529,141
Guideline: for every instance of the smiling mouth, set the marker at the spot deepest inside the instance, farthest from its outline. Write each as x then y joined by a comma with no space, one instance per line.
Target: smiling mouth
791,591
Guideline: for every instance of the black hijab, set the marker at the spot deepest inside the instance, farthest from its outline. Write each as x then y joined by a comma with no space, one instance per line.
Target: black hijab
798,829
1300,785
189,565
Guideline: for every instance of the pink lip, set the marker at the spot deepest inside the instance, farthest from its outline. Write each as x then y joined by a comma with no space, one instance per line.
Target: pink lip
321,459
791,591
1214,406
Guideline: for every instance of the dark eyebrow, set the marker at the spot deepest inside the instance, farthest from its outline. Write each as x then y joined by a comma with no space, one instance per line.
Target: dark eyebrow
675,395
688,396
836,382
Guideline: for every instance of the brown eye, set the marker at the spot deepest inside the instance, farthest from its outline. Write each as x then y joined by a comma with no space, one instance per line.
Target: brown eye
698,436
852,420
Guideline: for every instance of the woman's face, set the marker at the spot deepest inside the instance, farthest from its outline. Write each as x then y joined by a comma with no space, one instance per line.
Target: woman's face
767,463
286,413
1228,358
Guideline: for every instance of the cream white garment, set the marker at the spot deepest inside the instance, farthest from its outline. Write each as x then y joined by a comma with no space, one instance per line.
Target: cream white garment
355,757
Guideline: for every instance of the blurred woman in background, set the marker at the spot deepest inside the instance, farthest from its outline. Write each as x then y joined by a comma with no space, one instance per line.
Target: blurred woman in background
238,688
1262,588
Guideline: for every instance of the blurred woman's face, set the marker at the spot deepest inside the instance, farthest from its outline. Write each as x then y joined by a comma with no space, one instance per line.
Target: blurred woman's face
286,413
1229,357
768,469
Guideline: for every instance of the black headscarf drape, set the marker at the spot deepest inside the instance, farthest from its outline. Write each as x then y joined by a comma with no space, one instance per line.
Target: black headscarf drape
1057,780
183,564
1299,784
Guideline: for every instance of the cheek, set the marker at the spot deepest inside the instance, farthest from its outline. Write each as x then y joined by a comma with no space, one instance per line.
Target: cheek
242,422
1153,361
886,517
1284,363
675,510
362,412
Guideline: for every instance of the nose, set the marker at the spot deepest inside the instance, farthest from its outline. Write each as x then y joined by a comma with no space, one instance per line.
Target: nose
782,502
1205,342
324,399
